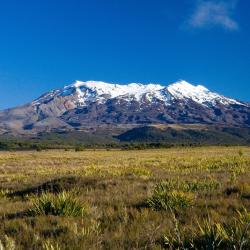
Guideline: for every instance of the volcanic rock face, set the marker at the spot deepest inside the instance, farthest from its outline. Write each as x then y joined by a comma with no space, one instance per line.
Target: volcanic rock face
96,103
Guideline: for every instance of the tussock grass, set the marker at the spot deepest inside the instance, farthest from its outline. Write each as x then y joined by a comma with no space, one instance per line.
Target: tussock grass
164,198
62,204
4,193
188,186
211,235
48,245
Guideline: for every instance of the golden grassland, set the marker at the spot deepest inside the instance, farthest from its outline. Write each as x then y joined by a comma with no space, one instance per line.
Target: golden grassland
178,198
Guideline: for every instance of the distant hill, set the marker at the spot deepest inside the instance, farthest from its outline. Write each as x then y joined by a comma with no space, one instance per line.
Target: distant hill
147,136
206,135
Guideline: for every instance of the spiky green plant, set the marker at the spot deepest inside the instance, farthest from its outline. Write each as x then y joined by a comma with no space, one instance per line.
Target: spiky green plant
163,199
188,186
48,245
62,204
4,193
210,235
237,233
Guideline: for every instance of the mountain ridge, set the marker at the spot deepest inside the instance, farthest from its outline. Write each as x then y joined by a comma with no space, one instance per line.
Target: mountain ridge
92,103
177,90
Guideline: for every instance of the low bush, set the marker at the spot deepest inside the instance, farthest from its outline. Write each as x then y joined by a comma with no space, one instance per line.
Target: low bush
79,148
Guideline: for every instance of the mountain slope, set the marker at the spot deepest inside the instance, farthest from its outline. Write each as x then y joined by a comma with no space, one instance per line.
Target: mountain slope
93,103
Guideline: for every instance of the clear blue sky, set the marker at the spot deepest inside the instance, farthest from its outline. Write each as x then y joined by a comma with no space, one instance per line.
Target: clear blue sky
46,44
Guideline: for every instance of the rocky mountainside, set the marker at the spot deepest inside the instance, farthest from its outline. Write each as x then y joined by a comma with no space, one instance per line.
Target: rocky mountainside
92,104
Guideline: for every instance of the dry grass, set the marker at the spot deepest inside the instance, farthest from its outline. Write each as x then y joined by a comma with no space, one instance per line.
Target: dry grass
115,186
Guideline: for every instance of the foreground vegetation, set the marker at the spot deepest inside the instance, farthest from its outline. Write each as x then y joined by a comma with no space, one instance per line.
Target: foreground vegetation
176,198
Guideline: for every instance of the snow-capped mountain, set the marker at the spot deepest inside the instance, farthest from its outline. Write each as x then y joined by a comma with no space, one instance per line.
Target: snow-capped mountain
93,103
93,91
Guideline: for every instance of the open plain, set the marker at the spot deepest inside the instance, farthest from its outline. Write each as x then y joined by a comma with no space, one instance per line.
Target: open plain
177,198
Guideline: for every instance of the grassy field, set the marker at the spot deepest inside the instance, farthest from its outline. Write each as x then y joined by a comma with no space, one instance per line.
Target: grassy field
179,198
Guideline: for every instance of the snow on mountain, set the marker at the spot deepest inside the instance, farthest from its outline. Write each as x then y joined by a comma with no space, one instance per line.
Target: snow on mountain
100,91
199,94
97,91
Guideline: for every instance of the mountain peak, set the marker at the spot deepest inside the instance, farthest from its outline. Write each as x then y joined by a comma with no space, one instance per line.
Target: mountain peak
199,94
89,84
182,84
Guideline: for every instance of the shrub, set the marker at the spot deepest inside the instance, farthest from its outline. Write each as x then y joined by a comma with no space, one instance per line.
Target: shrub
240,153
62,204
39,148
163,199
79,148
